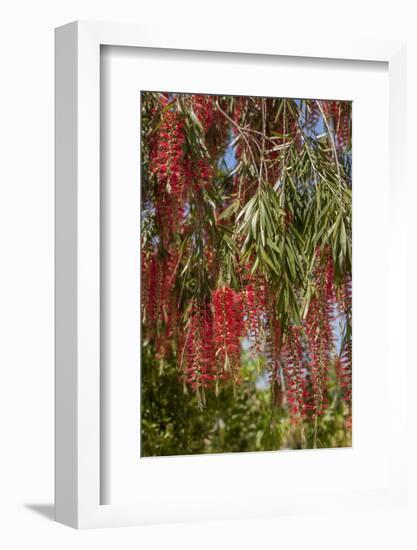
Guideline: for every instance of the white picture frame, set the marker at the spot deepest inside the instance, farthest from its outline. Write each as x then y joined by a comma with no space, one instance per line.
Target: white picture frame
77,498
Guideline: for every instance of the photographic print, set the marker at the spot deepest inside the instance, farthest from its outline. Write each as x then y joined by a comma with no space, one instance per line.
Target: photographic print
246,263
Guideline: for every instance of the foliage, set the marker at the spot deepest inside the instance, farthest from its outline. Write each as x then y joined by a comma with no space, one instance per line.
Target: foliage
240,418
246,267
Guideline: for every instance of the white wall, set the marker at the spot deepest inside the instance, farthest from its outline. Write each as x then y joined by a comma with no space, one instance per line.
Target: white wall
26,265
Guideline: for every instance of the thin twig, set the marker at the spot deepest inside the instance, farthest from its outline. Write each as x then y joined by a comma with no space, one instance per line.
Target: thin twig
333,144
239,129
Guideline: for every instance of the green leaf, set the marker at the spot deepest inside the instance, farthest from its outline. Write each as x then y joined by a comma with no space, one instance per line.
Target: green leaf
253,223
267,259
231,209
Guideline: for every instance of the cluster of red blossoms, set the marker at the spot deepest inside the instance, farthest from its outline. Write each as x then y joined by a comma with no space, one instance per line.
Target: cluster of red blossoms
304,355
228,329
254,302
319,332
308,350
213,340
296,383
178,176
159,305
175,171
204,109
167,163
200,369
344,374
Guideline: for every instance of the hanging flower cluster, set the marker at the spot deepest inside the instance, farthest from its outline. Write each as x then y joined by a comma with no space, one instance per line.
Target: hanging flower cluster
200,370
339,113
204,109
344,361
253,298
159,304
167,164
344,374
247,243
319,331
294,374
228,328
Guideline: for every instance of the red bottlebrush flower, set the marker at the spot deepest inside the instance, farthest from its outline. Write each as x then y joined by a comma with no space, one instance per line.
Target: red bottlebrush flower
344,362
312,114
200,371
203,106
294,375
319,331
150,289
167,163
344,374
254,308
227,330
344,298
167,306
197,173
159,303
240,106
202,173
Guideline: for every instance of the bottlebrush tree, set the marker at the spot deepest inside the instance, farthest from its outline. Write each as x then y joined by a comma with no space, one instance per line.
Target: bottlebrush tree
246,247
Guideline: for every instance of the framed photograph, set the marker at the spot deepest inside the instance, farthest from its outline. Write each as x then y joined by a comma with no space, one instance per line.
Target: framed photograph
229,326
